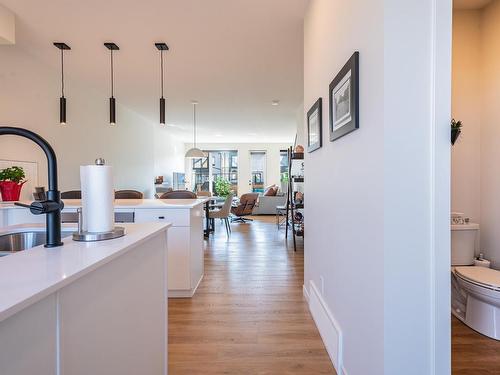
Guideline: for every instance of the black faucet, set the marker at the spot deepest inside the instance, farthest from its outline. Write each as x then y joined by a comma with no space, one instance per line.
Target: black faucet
52,206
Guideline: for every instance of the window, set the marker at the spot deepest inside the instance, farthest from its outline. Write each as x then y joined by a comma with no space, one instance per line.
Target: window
223,164
284,170
258,169
201,174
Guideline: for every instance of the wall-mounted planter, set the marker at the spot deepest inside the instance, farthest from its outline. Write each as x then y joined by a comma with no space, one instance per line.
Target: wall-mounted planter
455,133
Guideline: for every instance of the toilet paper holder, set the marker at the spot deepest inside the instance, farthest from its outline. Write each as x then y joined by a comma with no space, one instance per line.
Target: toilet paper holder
85,236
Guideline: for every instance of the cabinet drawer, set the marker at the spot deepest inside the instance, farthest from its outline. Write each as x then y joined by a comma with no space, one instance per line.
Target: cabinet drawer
178,217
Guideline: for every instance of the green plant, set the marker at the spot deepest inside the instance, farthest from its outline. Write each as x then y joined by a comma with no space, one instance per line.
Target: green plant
284,177
456,125
222,187
14,174
456,129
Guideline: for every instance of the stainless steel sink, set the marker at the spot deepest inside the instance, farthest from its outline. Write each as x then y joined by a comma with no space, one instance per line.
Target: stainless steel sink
13,242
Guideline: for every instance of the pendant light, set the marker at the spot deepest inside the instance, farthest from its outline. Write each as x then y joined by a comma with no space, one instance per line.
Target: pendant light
194,152
162,47
62,99
112,102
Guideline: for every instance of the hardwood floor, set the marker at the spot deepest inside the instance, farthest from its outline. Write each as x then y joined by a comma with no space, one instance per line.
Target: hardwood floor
473,353
248,315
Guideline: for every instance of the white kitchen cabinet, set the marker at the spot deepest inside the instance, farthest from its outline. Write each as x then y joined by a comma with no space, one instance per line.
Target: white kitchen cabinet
185,242
185,246
87,308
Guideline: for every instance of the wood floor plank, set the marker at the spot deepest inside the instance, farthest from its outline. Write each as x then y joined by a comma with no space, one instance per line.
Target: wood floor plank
249,315
473,353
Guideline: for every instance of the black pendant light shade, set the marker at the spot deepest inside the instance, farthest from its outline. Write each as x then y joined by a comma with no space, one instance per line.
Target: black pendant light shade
162,110
62,110
112,111
162,47
62,100
112,102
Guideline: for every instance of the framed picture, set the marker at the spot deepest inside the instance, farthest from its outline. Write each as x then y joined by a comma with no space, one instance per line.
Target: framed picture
344,99
314,127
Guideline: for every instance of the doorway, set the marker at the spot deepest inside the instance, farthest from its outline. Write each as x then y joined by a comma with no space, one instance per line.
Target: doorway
474,182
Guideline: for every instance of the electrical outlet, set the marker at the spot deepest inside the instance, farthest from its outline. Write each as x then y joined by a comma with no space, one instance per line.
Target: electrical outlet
322,286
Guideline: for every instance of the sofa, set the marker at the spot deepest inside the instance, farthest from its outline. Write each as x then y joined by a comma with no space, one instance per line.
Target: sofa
266,205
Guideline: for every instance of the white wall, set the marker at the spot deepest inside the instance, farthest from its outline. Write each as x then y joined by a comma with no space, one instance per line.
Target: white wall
466,106
370,196
244,172
7,26
301,127
343,188
29,98
490,133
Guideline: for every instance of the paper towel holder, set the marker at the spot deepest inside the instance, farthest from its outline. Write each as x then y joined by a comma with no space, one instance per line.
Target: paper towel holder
85,236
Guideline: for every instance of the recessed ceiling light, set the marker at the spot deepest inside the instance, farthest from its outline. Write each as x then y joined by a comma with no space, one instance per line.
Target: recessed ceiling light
275,102
218,135
252,134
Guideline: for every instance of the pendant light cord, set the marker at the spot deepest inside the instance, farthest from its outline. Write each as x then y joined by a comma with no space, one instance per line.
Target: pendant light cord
161,64
112,75
62,73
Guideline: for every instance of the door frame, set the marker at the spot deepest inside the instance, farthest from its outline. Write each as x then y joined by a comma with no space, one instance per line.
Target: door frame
441,39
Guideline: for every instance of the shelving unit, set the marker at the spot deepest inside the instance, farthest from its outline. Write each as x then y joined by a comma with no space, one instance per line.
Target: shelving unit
293,221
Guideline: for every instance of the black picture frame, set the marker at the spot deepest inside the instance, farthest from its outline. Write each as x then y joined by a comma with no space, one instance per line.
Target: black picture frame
315,127
344,99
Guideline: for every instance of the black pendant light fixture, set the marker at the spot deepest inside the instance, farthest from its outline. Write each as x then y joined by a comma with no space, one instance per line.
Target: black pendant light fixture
162,47
112,102
62,99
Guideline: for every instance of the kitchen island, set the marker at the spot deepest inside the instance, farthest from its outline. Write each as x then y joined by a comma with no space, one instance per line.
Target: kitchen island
86,307
185,240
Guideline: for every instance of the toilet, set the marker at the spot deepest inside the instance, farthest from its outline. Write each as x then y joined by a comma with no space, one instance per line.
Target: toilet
475,294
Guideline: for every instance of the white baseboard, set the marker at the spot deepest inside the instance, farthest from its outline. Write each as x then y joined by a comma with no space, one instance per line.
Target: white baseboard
306,293
327,326
178,293
184,293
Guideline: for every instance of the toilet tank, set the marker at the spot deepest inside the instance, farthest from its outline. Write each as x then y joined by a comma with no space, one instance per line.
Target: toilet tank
463,244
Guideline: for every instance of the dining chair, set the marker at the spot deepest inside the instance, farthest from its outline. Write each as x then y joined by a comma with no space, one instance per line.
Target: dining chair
71,194
178,194
223,213
128,194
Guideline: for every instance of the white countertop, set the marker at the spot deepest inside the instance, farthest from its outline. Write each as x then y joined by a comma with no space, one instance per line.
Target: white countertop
128,203
30,275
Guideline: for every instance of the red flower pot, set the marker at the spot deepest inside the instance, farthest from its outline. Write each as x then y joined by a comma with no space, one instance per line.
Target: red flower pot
10,190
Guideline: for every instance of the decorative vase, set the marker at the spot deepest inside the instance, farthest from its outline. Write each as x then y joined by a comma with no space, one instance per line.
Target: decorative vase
10,190
455,133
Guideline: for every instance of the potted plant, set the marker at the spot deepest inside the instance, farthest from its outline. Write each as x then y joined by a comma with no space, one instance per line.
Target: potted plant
222,187
11,183
456,129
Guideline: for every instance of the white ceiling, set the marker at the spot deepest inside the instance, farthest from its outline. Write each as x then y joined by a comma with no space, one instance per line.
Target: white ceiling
233,56
470,4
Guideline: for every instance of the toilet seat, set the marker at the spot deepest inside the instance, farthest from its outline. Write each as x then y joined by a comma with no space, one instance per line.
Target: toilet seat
480,276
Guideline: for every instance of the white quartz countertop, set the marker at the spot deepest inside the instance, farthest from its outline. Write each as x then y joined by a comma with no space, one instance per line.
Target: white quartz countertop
30,275
129,203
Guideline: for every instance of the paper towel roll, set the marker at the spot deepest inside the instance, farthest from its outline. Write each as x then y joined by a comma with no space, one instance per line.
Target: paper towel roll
482,263
97,198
